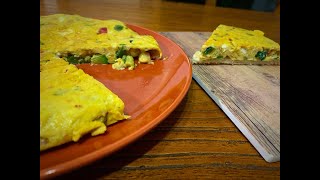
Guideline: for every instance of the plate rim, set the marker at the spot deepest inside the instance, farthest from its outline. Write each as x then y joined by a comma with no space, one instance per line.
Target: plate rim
91,157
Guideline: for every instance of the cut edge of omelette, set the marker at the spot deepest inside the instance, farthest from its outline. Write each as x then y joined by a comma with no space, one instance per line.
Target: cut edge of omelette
233,45
79,40
73,104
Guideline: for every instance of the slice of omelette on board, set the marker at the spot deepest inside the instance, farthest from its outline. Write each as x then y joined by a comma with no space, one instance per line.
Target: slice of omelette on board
233,45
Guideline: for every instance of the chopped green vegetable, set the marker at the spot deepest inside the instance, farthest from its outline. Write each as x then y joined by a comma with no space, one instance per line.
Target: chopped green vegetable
120,52
87,59
99,59
81,60
208,50
71,59
124,58
261,55
129,61
118,27
220,56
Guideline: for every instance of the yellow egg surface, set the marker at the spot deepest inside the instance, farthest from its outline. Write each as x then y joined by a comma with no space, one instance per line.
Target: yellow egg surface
72,104
234,45
77,39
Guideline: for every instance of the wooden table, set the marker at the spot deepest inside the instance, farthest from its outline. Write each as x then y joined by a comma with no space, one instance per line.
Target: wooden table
197,140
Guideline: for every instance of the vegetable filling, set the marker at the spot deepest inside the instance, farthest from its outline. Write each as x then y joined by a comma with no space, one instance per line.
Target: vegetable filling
94,59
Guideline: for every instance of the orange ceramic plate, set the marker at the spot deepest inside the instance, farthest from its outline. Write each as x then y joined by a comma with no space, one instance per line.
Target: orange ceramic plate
150,93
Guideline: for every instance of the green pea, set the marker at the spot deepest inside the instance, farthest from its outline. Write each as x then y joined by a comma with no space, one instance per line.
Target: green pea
129,61
118,27
208,50
261,55
120,52
99,59
220,56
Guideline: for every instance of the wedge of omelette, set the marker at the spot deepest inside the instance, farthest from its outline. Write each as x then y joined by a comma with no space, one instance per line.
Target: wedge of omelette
78,40
73,104
233,45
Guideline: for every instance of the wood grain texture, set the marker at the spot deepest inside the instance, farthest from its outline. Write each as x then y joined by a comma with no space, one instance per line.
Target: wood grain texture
197,140
249,95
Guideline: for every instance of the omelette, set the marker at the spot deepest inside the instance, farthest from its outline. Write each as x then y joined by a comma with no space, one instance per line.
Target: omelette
78,40
73,103
233,45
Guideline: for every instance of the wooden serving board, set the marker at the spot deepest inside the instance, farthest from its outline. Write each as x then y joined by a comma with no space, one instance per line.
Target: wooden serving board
249,95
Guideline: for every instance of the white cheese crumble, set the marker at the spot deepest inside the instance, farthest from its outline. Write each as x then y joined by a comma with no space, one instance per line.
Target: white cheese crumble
244,51
224,46
196,56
